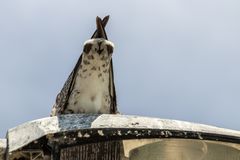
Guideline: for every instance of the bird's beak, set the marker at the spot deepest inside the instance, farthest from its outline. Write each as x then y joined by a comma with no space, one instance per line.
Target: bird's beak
100,29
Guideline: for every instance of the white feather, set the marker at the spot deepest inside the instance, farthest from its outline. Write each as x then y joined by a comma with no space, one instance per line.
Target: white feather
91,91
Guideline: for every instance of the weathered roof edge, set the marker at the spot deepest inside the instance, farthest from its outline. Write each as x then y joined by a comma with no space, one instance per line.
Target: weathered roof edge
28,132
3,147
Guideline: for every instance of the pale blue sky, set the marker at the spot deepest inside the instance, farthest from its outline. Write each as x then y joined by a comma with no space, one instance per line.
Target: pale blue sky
175,59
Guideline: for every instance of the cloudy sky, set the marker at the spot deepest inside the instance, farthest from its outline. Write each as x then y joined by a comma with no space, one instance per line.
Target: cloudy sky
174,59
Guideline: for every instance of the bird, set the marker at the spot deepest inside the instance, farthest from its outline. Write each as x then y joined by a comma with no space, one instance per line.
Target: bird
90,87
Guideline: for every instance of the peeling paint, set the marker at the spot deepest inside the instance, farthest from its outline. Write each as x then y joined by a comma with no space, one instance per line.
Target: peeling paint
162,133
199,136
119,133
86,135
169,133
149,132
80,134
100,132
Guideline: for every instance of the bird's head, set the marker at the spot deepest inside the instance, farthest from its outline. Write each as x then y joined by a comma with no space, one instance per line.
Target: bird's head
99,46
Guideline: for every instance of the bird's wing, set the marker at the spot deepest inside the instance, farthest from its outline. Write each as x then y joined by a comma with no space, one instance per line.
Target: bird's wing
104,23
113,107
63,96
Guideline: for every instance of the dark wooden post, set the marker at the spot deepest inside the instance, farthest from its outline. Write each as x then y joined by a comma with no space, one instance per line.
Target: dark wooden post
109,150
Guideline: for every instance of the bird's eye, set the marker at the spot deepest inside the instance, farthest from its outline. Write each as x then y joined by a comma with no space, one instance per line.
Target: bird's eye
87,47
110,49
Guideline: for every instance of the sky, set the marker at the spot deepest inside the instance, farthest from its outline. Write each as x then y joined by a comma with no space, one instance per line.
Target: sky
174,59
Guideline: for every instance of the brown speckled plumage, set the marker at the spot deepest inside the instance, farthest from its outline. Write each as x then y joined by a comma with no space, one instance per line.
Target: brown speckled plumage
63,97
